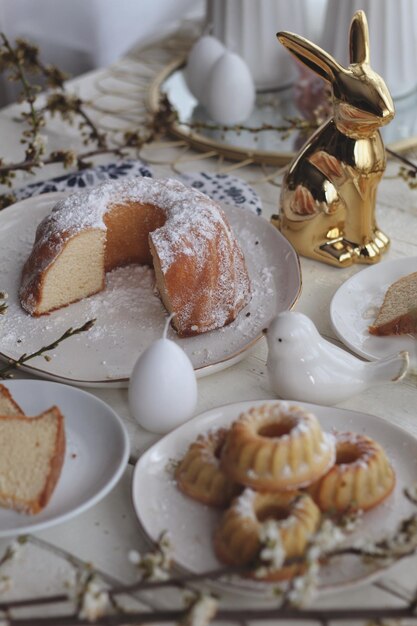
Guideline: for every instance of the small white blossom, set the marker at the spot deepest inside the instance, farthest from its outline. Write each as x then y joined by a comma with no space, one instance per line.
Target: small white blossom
71,580
328,536
5,584
134,557
95,602
303,587
12,551
350,521
155,565
15,547
272,554
201,611
400,544
40,142
367,545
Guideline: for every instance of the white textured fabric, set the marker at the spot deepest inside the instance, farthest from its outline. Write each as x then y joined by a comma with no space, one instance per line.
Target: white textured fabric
80,35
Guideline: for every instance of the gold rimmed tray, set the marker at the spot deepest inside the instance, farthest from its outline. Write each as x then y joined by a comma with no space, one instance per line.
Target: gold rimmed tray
273,108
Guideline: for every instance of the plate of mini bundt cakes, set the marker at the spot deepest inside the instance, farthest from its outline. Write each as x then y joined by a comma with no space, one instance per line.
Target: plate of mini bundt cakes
126,253
248,486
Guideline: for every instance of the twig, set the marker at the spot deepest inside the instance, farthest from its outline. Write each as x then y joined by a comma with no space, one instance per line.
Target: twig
293,124
57,157
41,600
179,581
95,133
27,87
231,615
27,357
402,158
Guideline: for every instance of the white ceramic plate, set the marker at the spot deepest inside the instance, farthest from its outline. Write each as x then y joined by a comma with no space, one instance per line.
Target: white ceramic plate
96,455
355,305
129,315
160,506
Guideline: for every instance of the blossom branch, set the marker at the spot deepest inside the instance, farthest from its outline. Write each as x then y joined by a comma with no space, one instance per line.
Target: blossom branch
294,123
5,371
233,615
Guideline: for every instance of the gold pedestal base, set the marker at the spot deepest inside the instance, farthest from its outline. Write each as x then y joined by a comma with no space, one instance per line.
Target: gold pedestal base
338,252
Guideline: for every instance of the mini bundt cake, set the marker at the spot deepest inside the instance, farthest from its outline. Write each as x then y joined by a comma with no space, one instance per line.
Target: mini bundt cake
398,313
277,447
239,538
200,269
199,475
361,478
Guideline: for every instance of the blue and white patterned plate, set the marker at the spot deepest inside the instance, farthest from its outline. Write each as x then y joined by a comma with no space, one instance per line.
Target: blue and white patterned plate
220,187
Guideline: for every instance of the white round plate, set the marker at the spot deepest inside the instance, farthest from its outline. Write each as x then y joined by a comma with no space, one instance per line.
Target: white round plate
160,506
97,453
129,314
356,303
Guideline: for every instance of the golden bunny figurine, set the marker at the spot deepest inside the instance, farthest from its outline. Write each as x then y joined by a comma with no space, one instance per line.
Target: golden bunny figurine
329,191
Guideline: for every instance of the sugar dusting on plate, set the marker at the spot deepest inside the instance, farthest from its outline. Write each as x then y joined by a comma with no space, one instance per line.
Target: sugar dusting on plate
129,313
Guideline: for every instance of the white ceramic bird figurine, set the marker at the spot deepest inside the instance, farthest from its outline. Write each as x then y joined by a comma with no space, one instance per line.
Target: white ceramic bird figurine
304,366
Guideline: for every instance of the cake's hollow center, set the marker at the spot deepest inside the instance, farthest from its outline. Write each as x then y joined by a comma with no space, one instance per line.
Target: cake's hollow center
128,227
277,429
346,454
272,511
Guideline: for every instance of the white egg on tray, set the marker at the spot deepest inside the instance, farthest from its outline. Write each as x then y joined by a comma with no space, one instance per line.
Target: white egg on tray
203,55
230,90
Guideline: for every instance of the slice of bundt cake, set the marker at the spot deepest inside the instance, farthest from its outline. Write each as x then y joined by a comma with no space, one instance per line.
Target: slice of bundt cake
32,453
398,313
7,404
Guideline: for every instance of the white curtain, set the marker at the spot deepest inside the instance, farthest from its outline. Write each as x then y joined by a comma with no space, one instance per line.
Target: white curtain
79,35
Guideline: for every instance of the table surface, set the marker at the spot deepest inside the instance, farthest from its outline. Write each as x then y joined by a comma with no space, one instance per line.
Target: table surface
106,533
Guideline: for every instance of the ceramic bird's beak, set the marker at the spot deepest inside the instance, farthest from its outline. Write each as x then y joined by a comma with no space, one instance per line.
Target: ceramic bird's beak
264,331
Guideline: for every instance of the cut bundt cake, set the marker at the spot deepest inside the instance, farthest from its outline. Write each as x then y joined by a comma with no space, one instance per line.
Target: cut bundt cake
361,478
32,453
277,447
200,269
398,313
7,404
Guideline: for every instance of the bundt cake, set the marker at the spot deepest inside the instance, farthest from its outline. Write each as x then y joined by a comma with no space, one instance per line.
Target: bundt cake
199,475
200,269
361,478
32,453
239,539
398,313
277,446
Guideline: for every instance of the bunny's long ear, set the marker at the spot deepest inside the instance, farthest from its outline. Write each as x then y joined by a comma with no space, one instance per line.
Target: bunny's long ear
311,55
359,38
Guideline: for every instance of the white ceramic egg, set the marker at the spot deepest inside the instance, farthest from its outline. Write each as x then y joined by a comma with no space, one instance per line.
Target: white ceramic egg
162,387
230,91
204,53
